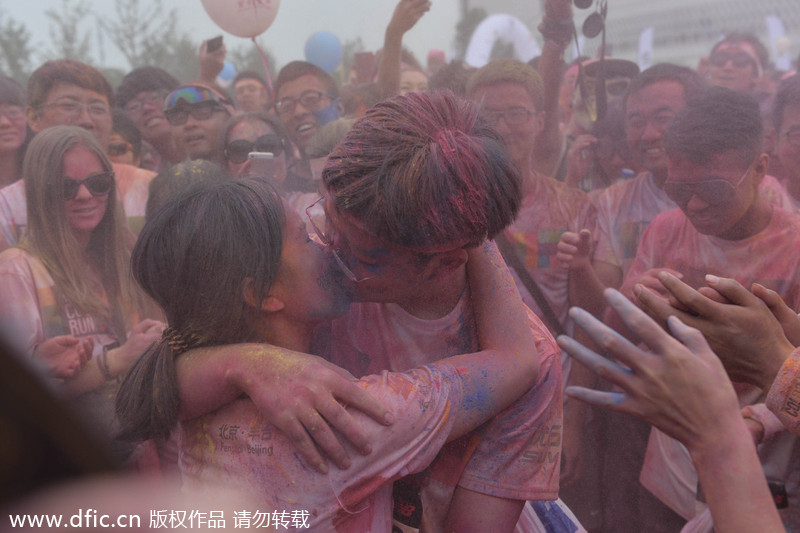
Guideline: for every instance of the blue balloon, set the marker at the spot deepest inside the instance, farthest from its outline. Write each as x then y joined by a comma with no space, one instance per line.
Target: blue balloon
324,50
228,71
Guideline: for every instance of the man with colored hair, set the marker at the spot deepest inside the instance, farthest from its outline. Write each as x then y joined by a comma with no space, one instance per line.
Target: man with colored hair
417,180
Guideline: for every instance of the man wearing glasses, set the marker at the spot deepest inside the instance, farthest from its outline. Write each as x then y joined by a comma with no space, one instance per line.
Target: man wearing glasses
724,227
141,94
306,99
66,91
197,114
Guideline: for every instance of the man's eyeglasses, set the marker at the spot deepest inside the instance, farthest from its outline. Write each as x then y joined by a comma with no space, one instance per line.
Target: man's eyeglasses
740,60
12,112
793,136
236,151
714,191
118,148
73,108
178,115
97,184
152,98
515,116
310,100
325,239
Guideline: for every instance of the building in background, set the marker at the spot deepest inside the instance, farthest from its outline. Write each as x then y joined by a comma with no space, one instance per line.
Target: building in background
683,30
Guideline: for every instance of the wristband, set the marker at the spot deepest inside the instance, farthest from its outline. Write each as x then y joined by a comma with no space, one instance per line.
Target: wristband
102,364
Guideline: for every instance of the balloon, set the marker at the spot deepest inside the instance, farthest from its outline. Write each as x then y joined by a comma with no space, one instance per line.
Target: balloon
242,18
506,29
227,74
324,50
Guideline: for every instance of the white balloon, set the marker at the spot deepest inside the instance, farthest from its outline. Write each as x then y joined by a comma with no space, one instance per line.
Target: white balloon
243,18
505,28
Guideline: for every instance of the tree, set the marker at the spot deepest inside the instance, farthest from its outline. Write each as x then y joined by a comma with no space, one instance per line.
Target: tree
15,48
149,36
246,57
69,41
464,29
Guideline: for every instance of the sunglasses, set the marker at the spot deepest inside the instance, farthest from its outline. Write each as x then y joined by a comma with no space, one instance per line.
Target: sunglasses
178,115
118,148
97,184
740,60
715,191
236,151
193,94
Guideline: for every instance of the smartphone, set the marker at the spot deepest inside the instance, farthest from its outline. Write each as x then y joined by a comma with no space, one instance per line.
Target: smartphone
261,165
214,44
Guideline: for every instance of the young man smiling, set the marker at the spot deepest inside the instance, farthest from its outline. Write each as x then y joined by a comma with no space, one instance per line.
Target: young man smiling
725,228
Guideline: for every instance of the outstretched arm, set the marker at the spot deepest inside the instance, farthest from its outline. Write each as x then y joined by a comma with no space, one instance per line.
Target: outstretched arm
505,369
681,388
556,29
301,394
405,16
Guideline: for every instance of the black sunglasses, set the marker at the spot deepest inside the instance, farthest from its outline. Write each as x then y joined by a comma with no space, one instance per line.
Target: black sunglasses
97,184
740,60
236,151
178,115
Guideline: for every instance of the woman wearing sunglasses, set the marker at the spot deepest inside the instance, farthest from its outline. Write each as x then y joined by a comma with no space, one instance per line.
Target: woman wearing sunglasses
68,301
277,287
256,131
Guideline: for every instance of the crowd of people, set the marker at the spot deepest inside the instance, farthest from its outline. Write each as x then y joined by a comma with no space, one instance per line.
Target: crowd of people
385,303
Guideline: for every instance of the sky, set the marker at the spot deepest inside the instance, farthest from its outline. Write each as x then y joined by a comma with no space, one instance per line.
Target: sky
296,21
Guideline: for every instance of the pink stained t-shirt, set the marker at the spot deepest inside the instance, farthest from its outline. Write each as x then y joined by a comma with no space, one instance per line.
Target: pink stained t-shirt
236,446
516,455
771,258
548,211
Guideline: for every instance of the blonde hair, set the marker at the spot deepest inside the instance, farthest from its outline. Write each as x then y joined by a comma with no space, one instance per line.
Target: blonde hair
50,238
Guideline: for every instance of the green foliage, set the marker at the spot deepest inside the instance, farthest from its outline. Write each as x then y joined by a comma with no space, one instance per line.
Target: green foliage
69,39
245,56
15,49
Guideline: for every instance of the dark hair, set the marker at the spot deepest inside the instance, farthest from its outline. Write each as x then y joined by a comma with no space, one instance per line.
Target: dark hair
423,170
126,128
11,92
453,77
144,79
194,257
58,71
788,93
249,75
738,37
689,79
174,180
295,69
717,121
